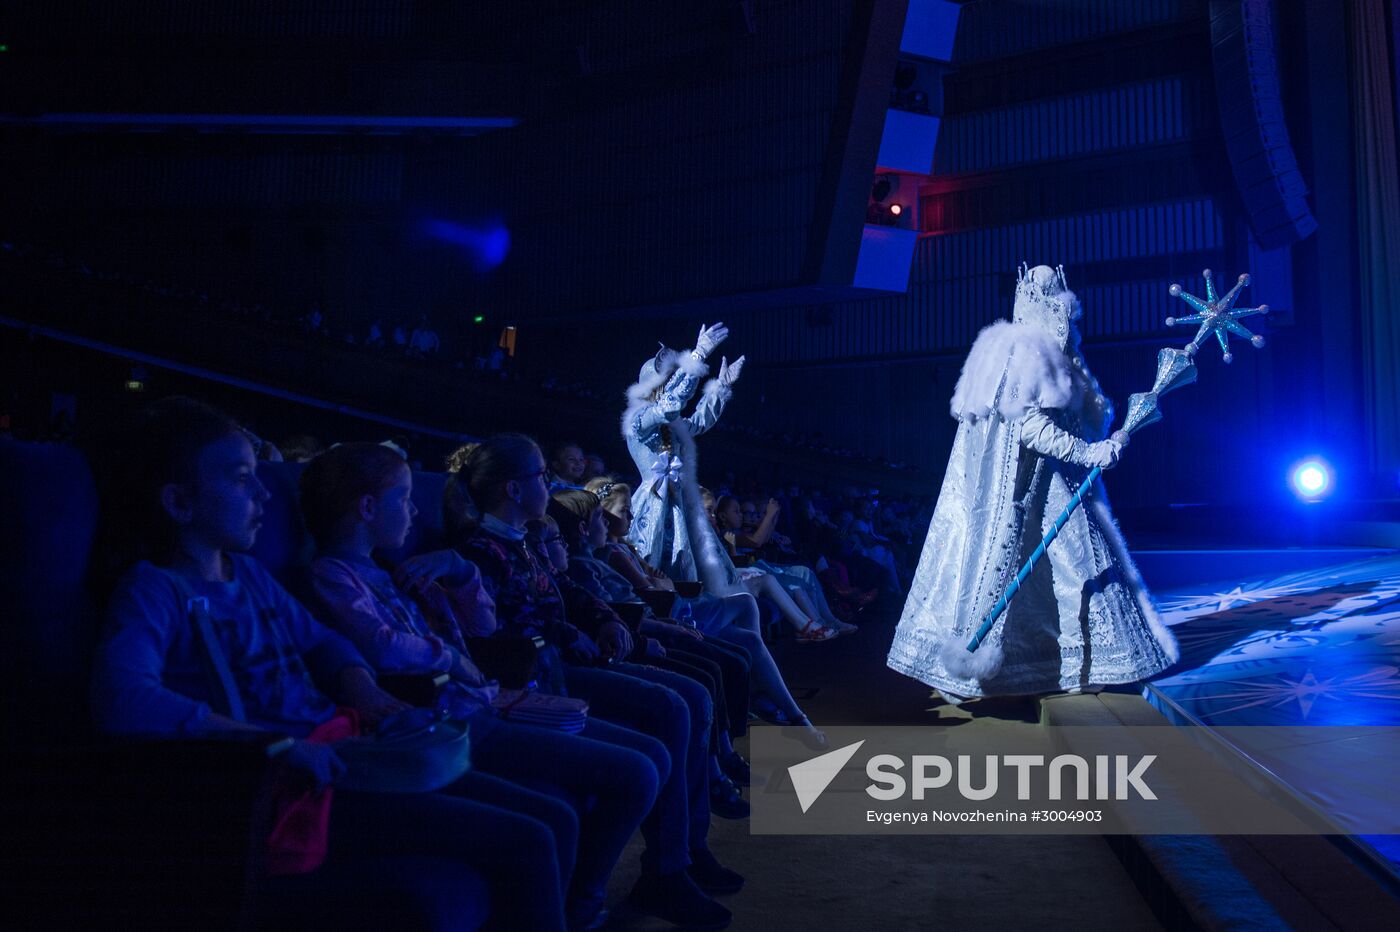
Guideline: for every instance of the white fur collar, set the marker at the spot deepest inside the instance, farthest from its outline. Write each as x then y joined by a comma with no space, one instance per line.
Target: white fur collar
1011,368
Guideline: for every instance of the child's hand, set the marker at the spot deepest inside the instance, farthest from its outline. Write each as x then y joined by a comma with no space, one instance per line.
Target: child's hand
429,567
615,640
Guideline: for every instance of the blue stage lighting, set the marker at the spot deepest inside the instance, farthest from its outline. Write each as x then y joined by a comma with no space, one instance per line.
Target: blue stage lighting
1311,479
486,243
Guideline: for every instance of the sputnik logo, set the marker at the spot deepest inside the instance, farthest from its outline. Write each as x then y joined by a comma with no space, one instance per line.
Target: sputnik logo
811,778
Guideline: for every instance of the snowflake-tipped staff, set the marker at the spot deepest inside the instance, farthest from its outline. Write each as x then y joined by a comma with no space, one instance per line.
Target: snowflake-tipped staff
1175,368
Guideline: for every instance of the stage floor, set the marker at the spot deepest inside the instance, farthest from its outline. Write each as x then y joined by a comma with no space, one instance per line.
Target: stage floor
1295,637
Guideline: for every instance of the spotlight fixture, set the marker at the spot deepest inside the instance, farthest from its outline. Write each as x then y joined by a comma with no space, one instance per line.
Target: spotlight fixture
886,214
881,209
1311,479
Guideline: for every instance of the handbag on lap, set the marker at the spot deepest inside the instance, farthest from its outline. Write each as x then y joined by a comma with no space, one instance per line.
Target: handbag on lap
414,751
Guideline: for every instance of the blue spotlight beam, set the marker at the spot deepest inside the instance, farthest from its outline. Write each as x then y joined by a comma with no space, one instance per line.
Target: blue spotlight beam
1175,368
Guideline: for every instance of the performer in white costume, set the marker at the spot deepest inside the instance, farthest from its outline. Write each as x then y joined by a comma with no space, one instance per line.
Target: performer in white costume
669,526
1032,422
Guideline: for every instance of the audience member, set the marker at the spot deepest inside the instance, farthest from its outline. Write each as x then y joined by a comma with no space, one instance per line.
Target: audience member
194,502
566,464
504,478
415,618
582,529
799,581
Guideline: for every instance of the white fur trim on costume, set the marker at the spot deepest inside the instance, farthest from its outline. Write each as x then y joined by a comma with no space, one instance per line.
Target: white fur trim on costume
651,378
714,388
981,664
1012,368
692,366
707,550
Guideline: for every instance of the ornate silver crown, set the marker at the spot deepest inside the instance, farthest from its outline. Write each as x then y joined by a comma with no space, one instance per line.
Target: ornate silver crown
1043,298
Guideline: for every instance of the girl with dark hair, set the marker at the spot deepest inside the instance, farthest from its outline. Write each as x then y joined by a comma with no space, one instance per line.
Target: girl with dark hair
586,529
357,499
205,605
501,486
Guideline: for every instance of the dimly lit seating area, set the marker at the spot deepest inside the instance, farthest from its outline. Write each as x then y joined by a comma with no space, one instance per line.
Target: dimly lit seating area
608,465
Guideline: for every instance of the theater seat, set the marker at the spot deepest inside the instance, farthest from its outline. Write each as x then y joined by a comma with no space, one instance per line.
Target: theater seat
48,518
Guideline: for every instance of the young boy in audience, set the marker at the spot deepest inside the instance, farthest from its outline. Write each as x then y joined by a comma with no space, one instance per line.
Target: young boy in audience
567,464
357,499
190,482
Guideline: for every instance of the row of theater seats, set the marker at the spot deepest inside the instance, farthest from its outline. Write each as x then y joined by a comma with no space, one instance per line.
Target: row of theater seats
156,835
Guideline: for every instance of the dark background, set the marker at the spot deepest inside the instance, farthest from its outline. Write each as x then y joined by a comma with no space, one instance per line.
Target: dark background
673,163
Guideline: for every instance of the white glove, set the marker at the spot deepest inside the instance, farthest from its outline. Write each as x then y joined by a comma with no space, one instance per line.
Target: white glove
710,337
1103,454
729,372
1044,436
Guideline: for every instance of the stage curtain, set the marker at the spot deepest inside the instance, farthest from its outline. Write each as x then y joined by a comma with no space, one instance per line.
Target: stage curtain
1378,226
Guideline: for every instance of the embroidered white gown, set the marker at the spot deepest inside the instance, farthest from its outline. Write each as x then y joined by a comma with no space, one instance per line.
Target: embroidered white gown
1030,413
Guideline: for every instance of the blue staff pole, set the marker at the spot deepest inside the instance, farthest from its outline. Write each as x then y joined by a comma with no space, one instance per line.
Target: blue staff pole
1011,591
